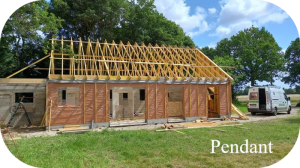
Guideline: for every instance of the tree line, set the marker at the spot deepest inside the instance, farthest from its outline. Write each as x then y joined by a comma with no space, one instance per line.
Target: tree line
253,53
25,36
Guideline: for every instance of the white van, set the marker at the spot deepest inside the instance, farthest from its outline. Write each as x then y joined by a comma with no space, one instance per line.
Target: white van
268,99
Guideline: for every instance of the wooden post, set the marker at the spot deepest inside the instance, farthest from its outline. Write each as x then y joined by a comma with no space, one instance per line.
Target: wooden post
52,57
71,61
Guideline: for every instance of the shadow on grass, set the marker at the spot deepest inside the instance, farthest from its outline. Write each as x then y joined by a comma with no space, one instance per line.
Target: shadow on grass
292,120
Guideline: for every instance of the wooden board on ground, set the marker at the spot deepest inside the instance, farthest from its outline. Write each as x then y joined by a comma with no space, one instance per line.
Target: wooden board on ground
71,126
73,129
227,123
192,125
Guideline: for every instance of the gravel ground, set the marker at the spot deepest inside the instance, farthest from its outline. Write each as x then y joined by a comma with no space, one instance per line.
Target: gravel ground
261,116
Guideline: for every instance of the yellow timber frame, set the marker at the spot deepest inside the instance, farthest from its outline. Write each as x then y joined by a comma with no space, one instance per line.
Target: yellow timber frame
111,61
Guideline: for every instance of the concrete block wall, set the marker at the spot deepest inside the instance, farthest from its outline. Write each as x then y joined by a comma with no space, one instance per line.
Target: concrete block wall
35,110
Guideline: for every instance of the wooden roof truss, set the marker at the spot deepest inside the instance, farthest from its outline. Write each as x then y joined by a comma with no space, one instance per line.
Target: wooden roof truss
111,61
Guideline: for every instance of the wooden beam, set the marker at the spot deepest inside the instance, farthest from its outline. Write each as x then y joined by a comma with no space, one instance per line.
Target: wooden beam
22,80
28,66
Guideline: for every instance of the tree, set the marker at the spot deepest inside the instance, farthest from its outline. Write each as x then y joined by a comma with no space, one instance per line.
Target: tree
292,57
208,51
118,20
22,38
257,54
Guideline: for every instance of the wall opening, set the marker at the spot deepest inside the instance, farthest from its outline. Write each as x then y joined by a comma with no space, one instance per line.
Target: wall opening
68,96
175,102
213,102
127,104
28,97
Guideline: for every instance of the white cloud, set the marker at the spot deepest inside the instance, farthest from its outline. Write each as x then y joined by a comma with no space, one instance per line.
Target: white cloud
234,11
236,15
227,31
212,10
179,12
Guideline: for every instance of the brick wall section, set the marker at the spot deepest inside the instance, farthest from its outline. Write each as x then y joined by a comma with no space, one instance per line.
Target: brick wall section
186,101
152,101
89,102
202,100
174,109
64,115
160,101
193,99
155,105
223,99
101,103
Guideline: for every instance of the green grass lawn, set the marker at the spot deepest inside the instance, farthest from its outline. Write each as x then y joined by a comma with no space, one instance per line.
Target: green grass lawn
147,148
241,105
294,102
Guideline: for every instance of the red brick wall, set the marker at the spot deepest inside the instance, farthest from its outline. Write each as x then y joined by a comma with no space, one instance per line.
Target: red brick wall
194,102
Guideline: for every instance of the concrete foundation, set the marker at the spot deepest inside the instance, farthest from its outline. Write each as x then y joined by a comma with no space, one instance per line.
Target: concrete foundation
96,125
157,121
190,119
227,116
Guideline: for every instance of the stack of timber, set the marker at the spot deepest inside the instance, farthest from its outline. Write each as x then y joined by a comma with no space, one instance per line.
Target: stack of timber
76,129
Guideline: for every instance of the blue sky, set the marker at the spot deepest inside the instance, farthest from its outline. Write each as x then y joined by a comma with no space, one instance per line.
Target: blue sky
208,22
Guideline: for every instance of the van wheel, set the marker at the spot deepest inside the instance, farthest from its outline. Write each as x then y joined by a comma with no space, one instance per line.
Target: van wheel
289,110
275,112
253,113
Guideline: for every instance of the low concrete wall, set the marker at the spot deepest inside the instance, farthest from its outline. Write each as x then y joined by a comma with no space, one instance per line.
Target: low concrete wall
157,121
36,109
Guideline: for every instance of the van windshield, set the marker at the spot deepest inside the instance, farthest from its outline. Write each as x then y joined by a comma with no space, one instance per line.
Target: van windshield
253,96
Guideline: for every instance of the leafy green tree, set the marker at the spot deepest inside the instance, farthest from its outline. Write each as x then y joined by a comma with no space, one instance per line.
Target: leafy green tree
22,38
257,54
208,51
292,56
118,20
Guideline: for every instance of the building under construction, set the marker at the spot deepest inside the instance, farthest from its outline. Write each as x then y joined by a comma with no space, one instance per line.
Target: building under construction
109,83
